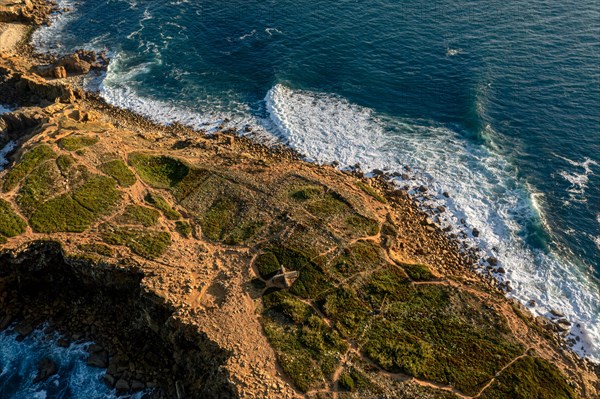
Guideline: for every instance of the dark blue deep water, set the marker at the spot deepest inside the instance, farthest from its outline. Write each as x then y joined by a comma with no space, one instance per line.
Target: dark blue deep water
497,102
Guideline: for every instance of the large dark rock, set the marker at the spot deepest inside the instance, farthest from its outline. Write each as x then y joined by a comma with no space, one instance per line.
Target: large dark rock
46,369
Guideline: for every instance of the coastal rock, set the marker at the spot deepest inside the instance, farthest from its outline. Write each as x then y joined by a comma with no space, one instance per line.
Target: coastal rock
74,65
59,72
99,359
475,233
46,369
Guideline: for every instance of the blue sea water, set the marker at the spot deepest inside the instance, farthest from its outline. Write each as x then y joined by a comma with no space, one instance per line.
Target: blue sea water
496,102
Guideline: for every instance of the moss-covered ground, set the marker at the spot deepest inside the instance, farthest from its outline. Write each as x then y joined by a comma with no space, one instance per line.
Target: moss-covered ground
144,242
159,171
30,160
11,224
119,171
76,142
138,215
162,205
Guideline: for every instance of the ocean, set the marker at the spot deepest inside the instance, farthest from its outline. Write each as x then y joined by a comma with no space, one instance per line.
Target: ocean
496,103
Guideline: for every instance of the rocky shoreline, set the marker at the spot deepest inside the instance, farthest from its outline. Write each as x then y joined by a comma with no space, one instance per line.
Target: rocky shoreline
178,292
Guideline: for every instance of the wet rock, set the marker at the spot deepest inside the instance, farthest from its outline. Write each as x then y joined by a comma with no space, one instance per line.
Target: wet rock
500,270
422,189
137,385
531,303
475,233
445,194
441,209
405,176
557,313
74,65
492,261
109,380
46,369
378,172
99,360
122,385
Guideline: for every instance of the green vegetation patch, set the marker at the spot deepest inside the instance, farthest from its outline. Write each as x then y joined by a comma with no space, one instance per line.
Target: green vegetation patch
308,350
183,228
119,171
417,272
162,205
439,333
306,193
347,311
39,186
30,160
371,191
76,142
530,378
77,210
100,249
353,380
225,221
267,265
329,205
362,226
159,171
143,242
11,224
361,256
138,215
65,162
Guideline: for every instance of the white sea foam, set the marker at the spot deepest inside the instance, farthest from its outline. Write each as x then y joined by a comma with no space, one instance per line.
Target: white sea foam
75,377
482,185
578,178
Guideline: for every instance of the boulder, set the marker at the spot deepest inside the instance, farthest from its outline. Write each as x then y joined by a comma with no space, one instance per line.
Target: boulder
59,72
99,359
46,369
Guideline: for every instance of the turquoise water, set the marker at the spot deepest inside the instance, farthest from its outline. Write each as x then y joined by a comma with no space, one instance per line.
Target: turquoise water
495,102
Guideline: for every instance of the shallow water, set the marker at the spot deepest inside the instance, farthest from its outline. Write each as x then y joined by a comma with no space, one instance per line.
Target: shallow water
495,102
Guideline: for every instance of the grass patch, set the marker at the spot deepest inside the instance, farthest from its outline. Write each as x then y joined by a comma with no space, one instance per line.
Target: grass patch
77,210
353,380
159,171
418,272
64,163
119,171
146,243
77,142
162,205
30,160
440,333
97,248
361,256
361,225
11,224
267,265
138,215
530,378
38,187
183,228
371,191
328,205
218,218
306,193
307,349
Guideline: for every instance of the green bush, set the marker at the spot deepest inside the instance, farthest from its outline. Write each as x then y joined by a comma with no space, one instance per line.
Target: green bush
119,171
143,242
219,218
159,171
162,205
11,224
100,249
306,193
138,215
371,191
76,142
39,186
77,210
417,272
64,162
267,265
30,160
530,378
183,228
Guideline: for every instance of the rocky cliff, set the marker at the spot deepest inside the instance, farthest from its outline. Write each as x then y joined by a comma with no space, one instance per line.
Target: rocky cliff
214,266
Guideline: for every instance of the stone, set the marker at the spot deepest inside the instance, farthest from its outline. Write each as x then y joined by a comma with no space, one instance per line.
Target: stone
122,385
137,385
445,194
422,189
441,209
46,369
59,72
492,261
99,360
531,303
109,380
500,270
475,233
557,313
